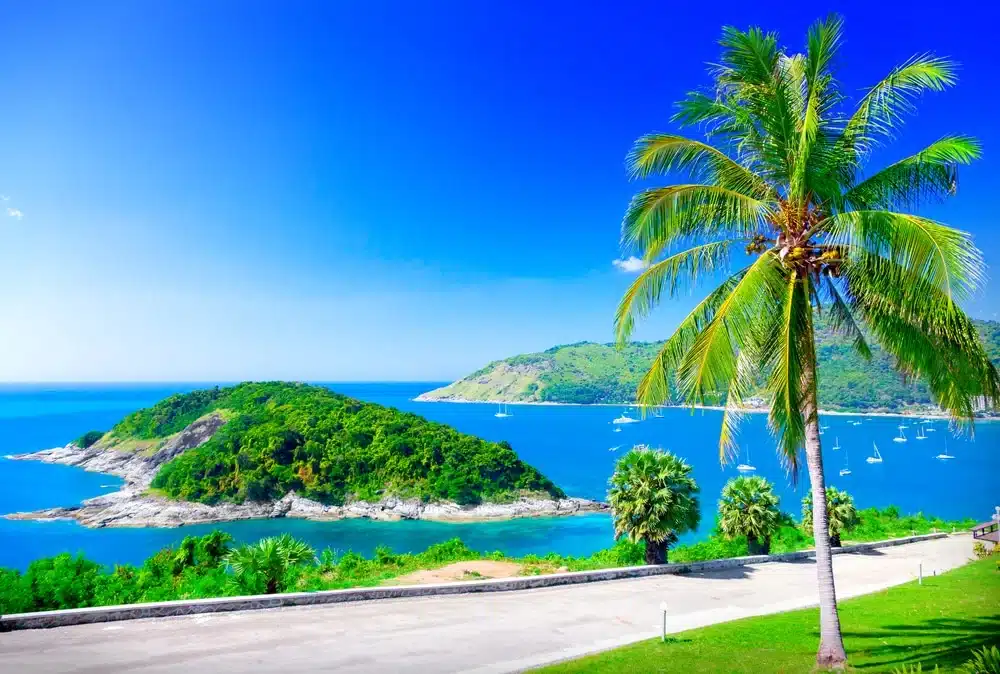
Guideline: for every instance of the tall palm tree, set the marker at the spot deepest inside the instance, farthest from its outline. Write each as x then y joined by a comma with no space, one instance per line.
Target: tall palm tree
781,178
653,499
841,514
749,507
264,566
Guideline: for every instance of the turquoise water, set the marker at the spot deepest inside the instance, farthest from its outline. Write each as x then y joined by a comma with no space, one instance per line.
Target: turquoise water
570,444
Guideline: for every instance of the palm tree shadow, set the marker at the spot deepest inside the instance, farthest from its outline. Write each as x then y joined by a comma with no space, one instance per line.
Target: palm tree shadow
945,642
733,573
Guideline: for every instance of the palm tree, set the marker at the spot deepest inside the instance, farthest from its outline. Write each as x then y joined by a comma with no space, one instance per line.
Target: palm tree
264,566
780,177
749,507
653,499
841,514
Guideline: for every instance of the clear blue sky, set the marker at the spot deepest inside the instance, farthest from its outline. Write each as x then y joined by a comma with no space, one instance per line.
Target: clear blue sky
373,190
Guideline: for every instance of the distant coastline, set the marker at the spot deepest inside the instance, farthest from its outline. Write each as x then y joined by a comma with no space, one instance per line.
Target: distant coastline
923,414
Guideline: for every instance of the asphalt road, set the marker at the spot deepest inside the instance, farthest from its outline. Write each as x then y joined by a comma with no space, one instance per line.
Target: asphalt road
480,633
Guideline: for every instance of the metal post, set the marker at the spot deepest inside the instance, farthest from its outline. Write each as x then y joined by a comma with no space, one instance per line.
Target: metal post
920,574
663,608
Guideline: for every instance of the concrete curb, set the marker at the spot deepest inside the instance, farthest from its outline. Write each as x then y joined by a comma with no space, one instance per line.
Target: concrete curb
81,616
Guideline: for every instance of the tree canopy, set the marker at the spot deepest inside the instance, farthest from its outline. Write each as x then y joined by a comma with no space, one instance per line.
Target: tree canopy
280,437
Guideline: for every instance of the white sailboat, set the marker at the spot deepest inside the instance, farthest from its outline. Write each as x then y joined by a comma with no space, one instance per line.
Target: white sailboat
855,423
903,426
846,470
625,419
920,433
746,467
618,429
501,411
902,437
930,429
614,449
876,457
944,456
836,445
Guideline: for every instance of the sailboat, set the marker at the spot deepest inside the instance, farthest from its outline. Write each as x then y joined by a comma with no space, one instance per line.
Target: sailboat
836,445
501,411
614,449
920,433
855,423
944,456
624,418
618,429
903,426
930,429
876,457
746,467
846,470
901,438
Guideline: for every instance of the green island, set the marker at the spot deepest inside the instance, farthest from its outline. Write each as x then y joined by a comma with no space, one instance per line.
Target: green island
211,566
589,373
281,437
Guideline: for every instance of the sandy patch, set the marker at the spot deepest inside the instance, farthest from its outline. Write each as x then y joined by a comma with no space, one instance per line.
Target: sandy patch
471,570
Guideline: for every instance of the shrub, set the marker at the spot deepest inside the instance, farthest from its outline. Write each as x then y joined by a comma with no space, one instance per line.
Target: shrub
88,438
984,661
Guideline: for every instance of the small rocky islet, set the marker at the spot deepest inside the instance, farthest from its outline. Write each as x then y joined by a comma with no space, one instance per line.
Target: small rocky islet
269,450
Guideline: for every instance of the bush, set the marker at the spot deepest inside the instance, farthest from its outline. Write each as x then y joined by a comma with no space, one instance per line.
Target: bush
88,438
984,661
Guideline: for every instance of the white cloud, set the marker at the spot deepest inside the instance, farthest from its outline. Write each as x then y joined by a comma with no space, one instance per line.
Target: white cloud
15,213
4,197
630,264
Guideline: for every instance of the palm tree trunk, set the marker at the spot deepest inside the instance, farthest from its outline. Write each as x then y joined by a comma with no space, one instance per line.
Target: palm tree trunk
656,552
831,644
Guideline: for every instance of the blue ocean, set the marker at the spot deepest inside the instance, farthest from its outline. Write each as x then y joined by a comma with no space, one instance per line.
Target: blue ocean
576,446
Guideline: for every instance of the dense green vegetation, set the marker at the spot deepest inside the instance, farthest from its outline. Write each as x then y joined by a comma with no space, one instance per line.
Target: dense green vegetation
939,623
88,438
587,373
280,437
204,566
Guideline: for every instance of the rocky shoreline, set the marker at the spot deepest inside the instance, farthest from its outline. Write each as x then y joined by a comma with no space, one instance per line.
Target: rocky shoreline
133,506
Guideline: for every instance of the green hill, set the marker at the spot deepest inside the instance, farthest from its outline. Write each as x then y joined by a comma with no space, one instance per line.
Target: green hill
278,437
588,373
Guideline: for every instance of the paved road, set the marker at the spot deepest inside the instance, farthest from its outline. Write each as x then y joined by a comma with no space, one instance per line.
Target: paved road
479,633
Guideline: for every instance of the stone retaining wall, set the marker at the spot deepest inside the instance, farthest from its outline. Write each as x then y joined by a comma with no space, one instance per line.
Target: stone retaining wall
80,616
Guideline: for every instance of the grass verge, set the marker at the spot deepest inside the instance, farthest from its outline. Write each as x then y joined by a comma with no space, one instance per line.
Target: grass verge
937,623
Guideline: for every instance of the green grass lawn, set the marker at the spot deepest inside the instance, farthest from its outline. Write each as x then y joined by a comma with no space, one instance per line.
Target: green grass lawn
937,623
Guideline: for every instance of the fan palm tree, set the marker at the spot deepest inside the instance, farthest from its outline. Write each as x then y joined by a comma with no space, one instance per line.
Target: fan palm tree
653,499
841,514
264,566
780,177
749,507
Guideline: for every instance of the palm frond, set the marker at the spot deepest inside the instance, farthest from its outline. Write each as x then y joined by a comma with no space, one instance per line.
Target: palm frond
944,257
931,174
824,41
660,216
929,336
654,388
662,153
785,384
844,322
742,384
739,322
668,276
883,107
